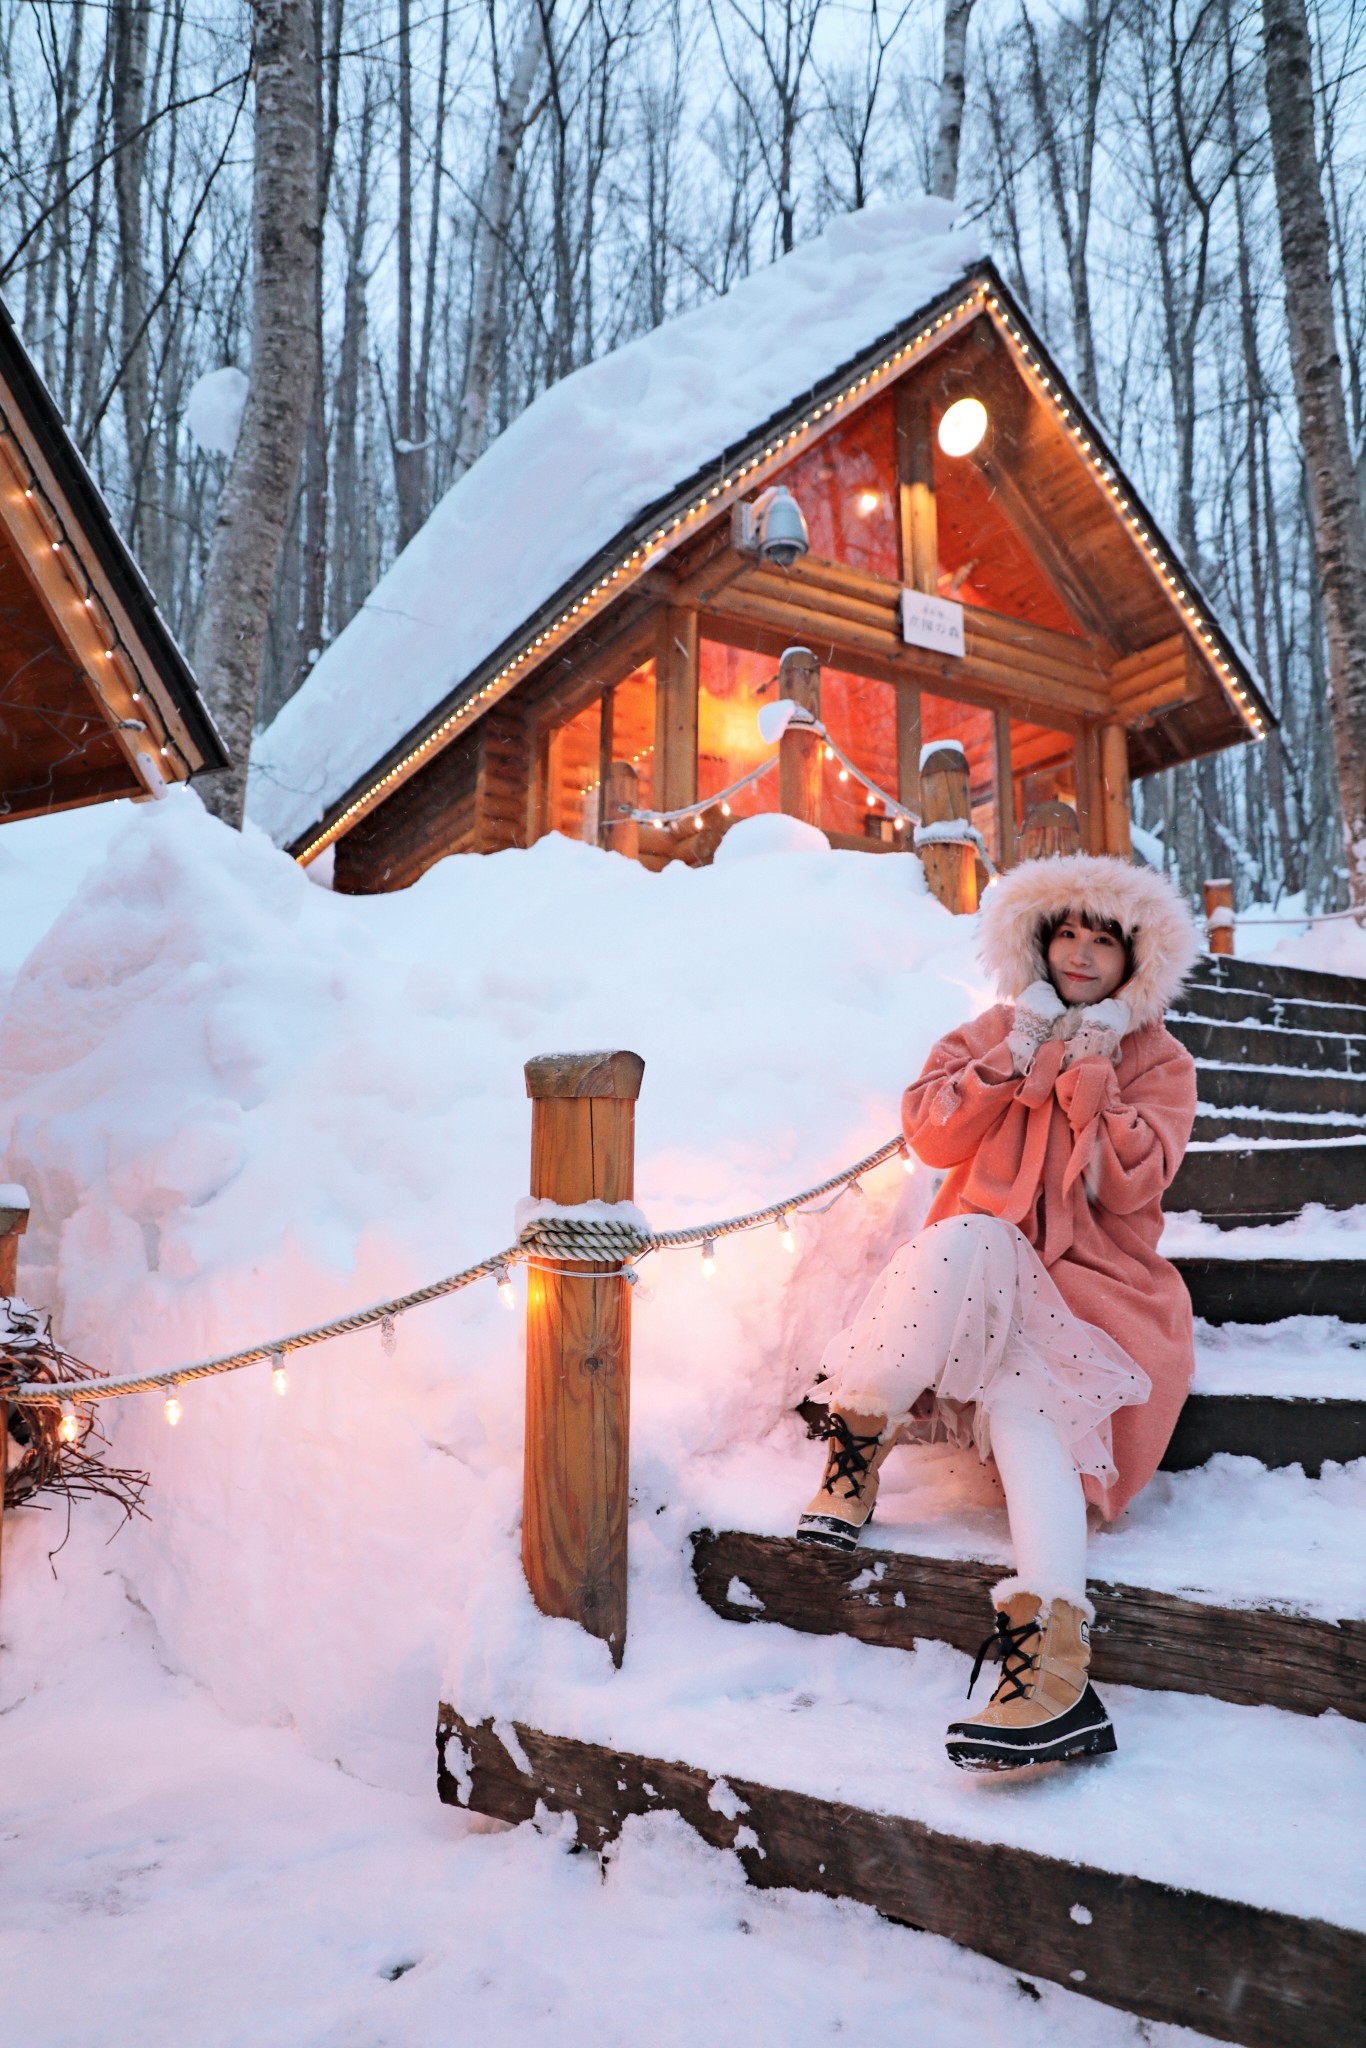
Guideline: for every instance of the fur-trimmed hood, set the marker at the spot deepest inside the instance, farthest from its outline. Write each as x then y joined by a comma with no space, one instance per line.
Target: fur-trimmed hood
1143,903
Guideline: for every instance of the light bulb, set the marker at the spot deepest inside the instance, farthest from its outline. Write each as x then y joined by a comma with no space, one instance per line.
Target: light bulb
279,1377
868,502
899,825
871,799
907,1158
962,427
708,1257
697,822
830,753
68,1429
172,1410
844,774
785,1237
506,1292
725,810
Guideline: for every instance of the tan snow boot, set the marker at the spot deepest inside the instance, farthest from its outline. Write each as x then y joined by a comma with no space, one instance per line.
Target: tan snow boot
844,1500
1044,1708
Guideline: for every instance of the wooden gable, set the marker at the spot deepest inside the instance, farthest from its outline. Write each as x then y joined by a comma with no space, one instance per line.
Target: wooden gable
1082,631
96,700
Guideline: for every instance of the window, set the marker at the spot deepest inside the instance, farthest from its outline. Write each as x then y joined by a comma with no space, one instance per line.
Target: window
618,725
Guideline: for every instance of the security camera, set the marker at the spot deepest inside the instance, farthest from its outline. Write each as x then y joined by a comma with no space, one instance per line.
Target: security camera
772,528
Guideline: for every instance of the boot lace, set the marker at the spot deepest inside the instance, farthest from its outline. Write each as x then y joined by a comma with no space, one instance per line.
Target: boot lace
850,1457
1006,1646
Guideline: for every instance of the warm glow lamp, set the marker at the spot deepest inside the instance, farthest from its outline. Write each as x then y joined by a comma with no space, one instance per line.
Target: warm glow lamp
962,427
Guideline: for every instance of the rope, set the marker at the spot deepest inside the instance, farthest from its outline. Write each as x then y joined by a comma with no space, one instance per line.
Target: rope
596,1240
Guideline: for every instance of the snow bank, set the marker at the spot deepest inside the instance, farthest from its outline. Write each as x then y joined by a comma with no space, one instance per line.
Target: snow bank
241,1104
577,466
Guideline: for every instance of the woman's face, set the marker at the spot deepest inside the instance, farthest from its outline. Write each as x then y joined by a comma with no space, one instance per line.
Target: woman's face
1084,966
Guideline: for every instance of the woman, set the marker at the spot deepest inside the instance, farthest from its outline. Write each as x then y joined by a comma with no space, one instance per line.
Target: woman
1032,1316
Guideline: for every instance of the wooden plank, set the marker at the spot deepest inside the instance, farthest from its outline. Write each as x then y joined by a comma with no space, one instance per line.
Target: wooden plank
1251,1657
1114,790
1160,654
908,743
1268,1290
1089,814
578,1350
1240,1973
1276,1431
1005,792
676,669
1047,540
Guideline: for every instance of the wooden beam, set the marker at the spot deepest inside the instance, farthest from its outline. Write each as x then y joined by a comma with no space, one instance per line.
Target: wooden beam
1089,815
908,744
1114,778
1005,792
676,685
1241,1973
917,515
1083,600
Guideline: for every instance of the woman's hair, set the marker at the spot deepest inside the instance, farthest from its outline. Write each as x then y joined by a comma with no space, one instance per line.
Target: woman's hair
1113,929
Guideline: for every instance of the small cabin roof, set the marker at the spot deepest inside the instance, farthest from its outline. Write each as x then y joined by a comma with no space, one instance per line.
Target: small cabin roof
628,460
100,702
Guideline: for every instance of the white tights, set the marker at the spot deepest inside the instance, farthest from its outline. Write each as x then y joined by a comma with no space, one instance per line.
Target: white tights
1044,1500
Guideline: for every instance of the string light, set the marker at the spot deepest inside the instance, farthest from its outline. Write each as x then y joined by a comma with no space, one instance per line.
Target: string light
68,1429
708,1257
907,1157
785,1236
506,1292
279,1378
172,1410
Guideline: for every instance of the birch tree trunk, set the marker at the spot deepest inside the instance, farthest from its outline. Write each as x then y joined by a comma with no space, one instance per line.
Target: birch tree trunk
255,503
493,227
1339,528
952,88
128,28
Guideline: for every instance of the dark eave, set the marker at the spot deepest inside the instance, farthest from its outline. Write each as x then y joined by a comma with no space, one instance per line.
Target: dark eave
104,542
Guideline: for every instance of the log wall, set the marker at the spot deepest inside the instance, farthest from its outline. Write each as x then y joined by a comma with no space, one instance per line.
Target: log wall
470,798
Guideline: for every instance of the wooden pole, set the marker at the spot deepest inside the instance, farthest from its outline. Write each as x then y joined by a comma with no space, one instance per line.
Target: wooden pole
1005,791
13,1223
578,1350
619,832
676,670
918,543
946,797
800,749
1114,786
1219,916
1048,829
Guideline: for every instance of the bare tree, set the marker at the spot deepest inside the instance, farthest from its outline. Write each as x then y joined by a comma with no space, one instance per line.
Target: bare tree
949,125
254,506
1339,529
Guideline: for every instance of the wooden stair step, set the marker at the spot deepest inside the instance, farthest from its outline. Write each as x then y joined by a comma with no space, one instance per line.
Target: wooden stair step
1236,1184
1269,1290
1238,1972
1264,1045
1250,1121
1249,1657
1261,978
1276,1429
1290,1091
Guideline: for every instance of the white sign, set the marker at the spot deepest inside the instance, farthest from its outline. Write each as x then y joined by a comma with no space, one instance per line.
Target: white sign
933,622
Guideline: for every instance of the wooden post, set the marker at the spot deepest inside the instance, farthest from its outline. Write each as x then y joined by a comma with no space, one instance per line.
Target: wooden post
1005,792
675,781
946,797
619,832
578,1350
1219,916
918,543
1114,784
1048,829
1089,817
800,749
13,1223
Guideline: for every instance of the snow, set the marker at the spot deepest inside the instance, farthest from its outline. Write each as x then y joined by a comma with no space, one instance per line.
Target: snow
214,408
1316,1233
579,465
242,1104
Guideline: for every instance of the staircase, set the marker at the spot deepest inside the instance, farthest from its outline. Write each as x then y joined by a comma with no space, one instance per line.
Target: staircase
1048,1889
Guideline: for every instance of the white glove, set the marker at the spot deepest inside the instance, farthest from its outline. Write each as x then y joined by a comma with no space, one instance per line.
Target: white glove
1100,1032
1036,1012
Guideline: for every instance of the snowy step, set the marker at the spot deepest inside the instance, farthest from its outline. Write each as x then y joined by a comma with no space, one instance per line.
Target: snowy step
1167,1952
1275,1429
1248,1121
1267,1289
1251,1657
1265,1045
1261,980
1268,1181
1291,1091
1254,1006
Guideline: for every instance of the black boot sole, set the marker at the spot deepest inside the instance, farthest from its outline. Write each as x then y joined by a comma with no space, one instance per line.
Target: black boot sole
1084,1730
830,1532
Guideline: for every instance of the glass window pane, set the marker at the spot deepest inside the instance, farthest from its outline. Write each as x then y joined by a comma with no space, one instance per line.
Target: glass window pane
733,684
846,486
860,716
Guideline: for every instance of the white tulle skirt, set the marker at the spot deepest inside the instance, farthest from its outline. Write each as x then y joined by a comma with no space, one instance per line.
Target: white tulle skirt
966,1316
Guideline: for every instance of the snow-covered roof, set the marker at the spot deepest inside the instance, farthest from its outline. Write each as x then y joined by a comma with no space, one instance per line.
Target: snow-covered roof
578,466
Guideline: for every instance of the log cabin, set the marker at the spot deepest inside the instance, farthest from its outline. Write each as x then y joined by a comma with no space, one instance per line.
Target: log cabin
97,701
581,638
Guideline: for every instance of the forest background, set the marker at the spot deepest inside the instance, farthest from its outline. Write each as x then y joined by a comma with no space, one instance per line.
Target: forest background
505,189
